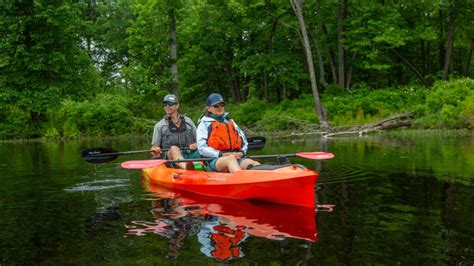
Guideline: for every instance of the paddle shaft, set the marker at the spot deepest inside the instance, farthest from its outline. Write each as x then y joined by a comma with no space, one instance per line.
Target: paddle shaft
254,143
252,157
127,152
263,156
142,164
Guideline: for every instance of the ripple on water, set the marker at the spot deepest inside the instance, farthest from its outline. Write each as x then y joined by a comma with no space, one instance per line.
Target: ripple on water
348,173
98,185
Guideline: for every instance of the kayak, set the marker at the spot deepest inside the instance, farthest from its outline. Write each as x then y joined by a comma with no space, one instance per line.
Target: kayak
287,184
261,219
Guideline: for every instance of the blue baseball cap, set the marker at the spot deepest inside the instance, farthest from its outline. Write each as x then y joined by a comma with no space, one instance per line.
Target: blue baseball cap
214,98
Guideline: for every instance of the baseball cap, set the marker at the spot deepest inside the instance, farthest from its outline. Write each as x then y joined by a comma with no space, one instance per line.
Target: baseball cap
171,98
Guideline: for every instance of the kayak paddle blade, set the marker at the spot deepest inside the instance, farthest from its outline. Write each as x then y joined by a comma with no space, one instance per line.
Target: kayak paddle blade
142,164
315,155
256,143
99,155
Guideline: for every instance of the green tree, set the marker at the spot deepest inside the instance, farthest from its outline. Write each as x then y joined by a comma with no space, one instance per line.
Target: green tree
42,60
108,30
149,68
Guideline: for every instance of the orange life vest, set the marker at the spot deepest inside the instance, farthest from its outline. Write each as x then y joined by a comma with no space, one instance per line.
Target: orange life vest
224,137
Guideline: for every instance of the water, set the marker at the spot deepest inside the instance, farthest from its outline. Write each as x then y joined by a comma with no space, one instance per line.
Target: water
382,200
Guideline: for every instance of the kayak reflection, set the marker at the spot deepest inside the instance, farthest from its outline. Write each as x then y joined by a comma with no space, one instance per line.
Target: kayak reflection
222,225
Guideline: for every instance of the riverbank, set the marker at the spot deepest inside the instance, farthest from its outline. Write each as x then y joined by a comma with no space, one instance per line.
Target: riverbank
447,105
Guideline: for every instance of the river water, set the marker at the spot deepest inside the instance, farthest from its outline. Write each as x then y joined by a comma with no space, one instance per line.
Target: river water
381,200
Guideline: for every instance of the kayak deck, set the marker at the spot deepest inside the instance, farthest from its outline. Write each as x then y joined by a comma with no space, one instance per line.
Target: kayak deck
288,184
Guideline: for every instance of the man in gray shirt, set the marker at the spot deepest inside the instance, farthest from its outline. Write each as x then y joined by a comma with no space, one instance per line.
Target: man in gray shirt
175,133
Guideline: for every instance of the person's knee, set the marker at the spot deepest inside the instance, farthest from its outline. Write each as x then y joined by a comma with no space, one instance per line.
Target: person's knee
174,149
231,158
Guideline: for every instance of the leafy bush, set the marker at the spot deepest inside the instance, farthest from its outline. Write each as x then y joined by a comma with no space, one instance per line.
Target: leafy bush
449,105
250,112
104,115
16,123
289,114
468,111
364,105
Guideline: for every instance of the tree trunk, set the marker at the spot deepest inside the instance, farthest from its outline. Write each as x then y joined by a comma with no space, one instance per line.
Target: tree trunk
236,82
449,46
297,8
349,73
329,51
441,50
173,49
469,58
268,47
265,86
340,44
245,88
322,72
330,54
429,62
231,88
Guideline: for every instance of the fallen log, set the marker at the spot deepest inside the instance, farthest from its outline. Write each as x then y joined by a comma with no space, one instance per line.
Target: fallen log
392,122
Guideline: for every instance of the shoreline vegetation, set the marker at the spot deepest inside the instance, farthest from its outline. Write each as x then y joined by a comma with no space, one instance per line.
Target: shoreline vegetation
447,105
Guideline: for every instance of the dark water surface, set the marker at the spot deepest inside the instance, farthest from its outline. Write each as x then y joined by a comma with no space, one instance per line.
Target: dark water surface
382,200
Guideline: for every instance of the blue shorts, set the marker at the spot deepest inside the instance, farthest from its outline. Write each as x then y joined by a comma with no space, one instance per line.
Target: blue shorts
211,166
187,154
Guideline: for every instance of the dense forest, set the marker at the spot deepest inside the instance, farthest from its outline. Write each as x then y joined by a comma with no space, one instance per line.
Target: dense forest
101,67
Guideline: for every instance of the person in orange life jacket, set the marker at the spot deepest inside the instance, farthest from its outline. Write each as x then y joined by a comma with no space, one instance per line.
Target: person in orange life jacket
175,132
219,137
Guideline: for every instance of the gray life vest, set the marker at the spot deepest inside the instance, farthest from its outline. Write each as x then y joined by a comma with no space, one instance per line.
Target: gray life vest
171,135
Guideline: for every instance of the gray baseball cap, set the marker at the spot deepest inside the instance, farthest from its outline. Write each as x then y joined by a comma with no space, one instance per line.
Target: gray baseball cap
171,98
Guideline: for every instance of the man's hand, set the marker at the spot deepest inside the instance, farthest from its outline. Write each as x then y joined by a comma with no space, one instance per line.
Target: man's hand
192,147
156,151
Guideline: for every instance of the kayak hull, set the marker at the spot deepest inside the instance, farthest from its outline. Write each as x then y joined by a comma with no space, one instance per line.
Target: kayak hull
291,184
262,219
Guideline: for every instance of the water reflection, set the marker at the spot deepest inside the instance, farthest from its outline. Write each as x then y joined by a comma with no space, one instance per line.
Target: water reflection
221,225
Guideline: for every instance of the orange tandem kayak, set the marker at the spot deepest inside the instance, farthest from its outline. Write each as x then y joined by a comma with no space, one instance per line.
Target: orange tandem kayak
287,184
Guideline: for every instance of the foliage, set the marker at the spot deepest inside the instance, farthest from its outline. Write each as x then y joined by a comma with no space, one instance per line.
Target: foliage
449,105
104,115
289,114
42,61
58,53
250,112
148,71
15,123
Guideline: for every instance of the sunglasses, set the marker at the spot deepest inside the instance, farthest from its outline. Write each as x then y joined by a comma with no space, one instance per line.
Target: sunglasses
165,104
219,105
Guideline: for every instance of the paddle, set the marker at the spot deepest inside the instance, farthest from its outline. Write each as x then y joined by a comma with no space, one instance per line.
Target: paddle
103,155
141,164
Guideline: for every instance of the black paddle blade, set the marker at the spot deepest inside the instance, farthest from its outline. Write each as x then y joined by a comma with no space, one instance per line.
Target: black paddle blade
99,155
256,143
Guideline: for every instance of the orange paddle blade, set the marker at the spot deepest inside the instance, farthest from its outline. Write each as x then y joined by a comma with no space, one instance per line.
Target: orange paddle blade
315,155
141,164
